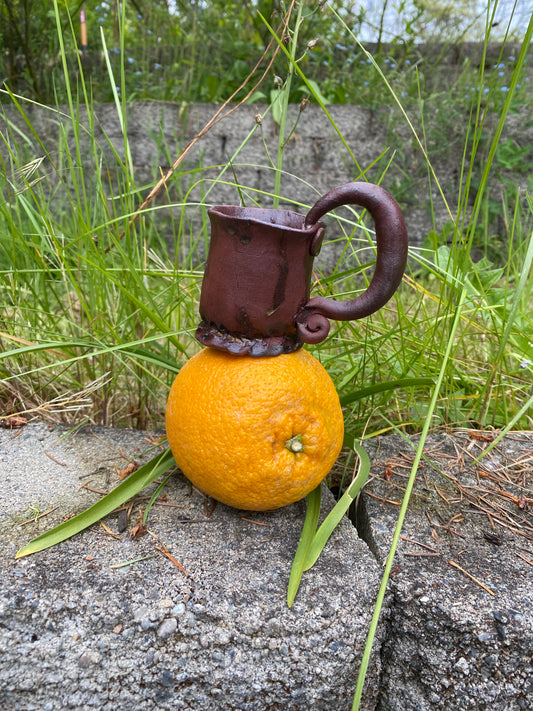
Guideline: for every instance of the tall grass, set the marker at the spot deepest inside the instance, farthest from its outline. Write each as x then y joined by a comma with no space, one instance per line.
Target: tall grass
89,295
98,310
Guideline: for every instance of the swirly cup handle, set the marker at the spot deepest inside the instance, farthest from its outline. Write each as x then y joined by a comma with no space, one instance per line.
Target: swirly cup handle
391,241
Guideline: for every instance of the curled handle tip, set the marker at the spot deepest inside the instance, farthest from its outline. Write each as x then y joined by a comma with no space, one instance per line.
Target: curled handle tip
391,243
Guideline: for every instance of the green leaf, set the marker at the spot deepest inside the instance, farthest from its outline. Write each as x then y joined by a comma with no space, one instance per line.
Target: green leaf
256,97
157,493
308,531
312,542
131,486
317,93
212,83
276,99
46,346
336,514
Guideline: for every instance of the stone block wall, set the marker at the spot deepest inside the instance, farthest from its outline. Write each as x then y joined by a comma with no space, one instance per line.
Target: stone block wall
356,144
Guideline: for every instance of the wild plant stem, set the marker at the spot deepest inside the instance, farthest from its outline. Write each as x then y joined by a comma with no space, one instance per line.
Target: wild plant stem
403,509
284,99
501,123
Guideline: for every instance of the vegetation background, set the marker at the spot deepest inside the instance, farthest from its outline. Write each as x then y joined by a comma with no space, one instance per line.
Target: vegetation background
97,313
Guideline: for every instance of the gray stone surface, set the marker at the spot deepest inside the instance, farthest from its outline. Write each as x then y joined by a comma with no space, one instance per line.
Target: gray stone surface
77,633
457,637
457,625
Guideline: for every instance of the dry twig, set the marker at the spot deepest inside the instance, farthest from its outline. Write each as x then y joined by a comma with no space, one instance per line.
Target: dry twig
222,113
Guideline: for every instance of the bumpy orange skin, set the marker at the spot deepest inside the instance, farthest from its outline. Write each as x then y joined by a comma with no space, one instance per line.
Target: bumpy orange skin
229,419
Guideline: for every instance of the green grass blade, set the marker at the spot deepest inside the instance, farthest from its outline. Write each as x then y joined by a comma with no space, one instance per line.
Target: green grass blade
143,354
46,346
308,531
403,509
336,514
119,105
155,496
383,387
131,486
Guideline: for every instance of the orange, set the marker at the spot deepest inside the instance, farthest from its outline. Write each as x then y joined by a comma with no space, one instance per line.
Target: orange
254,433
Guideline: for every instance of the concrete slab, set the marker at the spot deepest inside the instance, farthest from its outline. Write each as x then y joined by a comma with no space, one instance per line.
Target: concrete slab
460,630
77,632
456,631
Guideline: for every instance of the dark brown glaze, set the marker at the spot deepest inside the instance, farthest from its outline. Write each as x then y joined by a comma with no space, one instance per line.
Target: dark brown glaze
255,293
257,279
391,243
